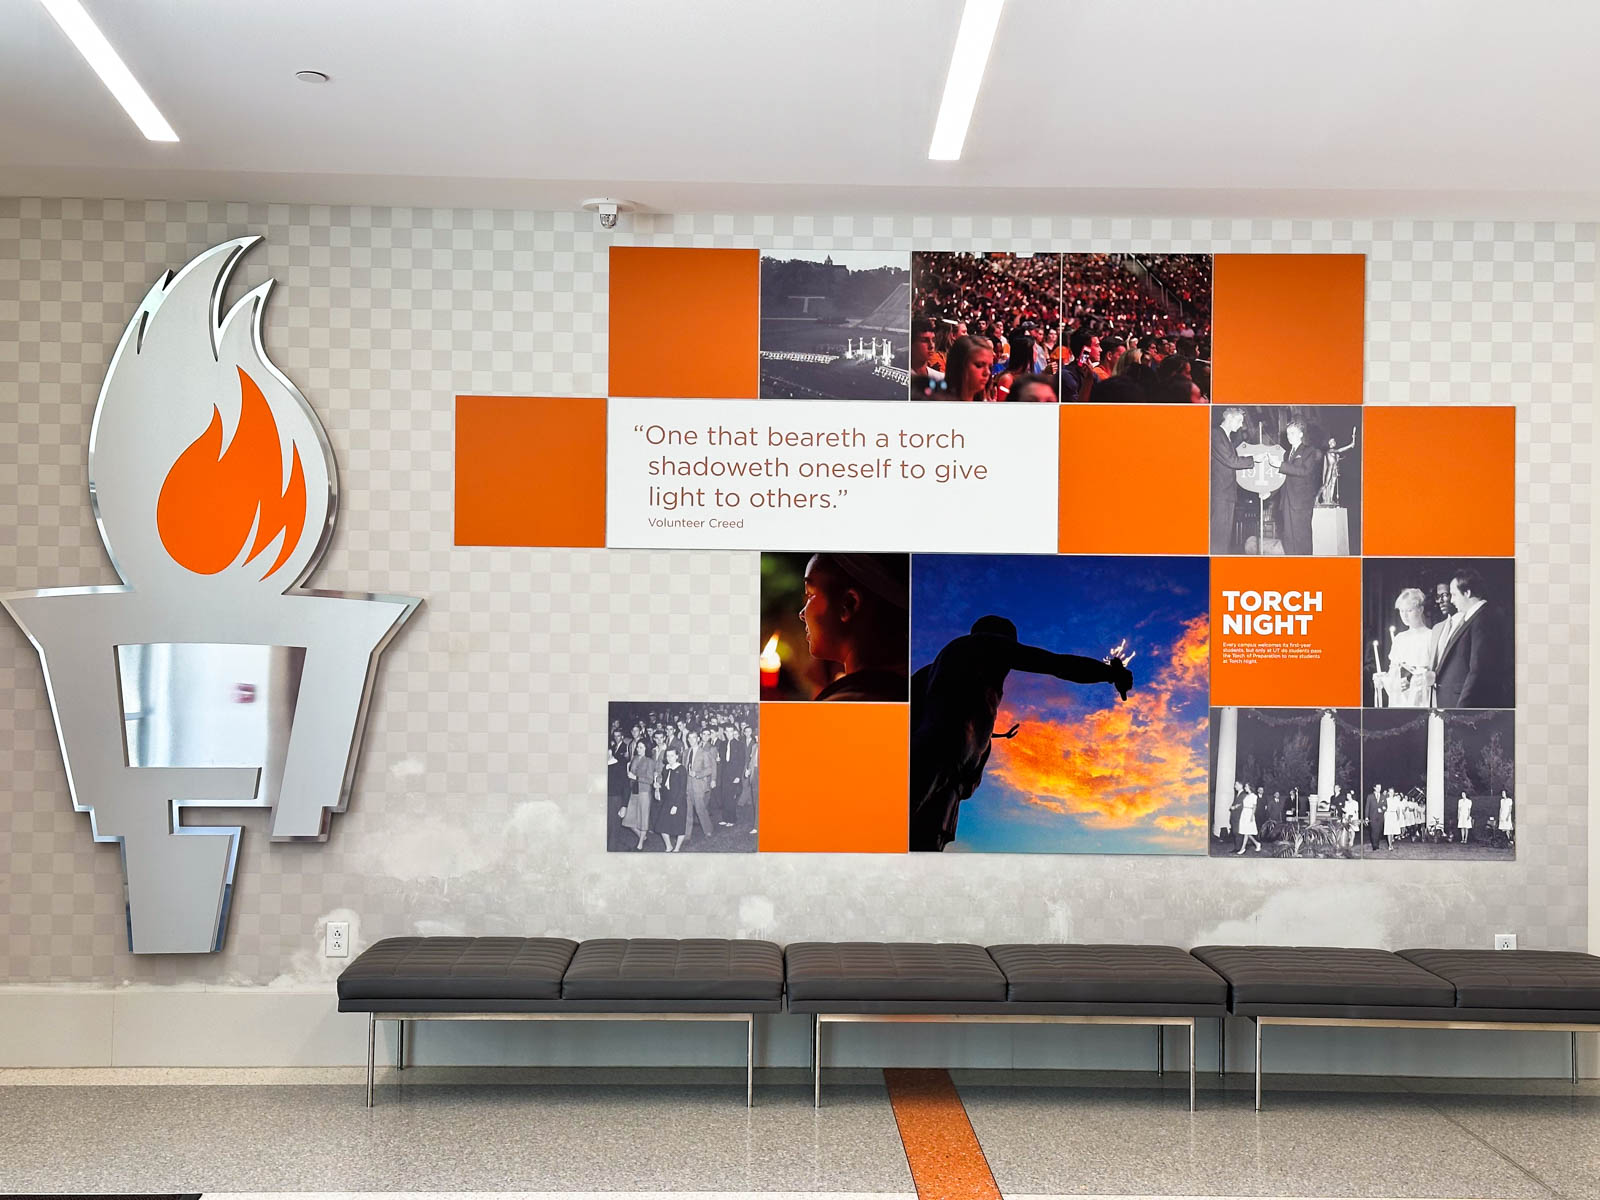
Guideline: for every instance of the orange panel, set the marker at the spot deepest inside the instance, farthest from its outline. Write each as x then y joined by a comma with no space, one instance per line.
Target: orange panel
530,471
685,322
1287,328
1317,663
1474,514
835,777
1133,479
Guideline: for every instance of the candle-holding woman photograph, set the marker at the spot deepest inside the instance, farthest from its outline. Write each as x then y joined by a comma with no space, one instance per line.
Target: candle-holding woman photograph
835,627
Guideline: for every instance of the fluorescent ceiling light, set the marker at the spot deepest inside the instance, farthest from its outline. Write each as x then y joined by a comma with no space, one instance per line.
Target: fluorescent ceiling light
113,72
967,62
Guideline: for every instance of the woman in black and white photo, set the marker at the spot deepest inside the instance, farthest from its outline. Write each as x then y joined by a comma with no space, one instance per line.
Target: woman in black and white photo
671,806
642,775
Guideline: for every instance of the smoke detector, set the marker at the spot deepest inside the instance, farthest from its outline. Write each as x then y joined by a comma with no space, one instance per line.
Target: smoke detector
607,209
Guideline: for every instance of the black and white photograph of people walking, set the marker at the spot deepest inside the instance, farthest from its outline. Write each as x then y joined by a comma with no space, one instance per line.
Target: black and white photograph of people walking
1438,784
1283,782
682,777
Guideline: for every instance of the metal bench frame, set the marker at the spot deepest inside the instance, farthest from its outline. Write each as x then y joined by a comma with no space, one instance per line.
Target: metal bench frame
842,1018
400,1018
1401,1023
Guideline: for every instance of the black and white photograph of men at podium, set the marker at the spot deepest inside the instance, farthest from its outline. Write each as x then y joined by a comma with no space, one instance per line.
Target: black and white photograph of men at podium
1286,480
1283,782
1438,784
1438,633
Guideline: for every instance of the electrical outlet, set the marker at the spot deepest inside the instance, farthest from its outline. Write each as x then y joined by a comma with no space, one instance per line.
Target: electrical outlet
1505,941
338,945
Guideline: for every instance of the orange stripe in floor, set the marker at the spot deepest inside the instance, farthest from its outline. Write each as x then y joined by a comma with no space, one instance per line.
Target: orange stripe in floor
942,1150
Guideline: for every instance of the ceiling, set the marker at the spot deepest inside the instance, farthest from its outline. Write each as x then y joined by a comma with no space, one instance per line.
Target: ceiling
1193,107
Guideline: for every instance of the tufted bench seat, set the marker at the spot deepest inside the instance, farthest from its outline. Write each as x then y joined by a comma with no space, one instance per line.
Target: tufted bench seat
497,978
943,981
1439,989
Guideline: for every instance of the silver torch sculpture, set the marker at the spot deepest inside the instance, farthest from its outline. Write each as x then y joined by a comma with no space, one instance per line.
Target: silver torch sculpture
209,677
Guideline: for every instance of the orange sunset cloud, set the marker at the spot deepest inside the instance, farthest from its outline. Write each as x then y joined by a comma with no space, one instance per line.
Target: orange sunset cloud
1141,762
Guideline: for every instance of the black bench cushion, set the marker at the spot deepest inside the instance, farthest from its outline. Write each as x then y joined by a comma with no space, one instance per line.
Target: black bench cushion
1324,975
1554,979
1078,974
946,971
674,969
456,968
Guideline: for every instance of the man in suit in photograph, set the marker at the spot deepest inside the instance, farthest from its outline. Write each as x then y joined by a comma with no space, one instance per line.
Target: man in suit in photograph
1472,665
1302,468
1224,488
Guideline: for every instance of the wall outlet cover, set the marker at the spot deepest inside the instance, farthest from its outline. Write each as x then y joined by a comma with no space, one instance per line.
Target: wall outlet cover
338,940
1505,941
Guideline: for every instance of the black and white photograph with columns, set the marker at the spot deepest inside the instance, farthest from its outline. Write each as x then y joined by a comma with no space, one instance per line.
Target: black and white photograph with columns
1439,783
1283,782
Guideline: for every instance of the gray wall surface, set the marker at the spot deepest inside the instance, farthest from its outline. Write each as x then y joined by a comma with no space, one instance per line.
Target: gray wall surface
479,803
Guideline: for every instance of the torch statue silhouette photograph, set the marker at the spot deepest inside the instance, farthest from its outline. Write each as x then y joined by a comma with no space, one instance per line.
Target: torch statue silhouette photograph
1053,768
209,677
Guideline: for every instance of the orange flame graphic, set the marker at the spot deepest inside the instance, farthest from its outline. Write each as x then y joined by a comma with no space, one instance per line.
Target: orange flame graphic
213,497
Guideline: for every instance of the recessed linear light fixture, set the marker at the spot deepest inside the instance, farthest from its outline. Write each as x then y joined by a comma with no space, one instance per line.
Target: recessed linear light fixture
968,60
108,64
311,76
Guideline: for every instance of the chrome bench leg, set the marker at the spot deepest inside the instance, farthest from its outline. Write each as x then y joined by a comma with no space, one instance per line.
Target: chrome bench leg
400,1045
372,1051
1161,1051
1222,1047
1258,1063
1191,1063
816,1061
749,1060
1574,1053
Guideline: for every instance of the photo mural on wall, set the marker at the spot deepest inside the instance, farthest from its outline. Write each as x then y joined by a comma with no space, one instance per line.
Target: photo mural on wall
1172,585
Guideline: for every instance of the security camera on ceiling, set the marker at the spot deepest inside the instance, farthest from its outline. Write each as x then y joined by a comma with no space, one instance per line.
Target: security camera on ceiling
607,209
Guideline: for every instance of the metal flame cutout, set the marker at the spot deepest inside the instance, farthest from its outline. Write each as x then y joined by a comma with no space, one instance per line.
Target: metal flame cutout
204,460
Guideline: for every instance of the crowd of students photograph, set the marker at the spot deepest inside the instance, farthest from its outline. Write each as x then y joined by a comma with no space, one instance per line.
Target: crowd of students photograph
682,777
1103,328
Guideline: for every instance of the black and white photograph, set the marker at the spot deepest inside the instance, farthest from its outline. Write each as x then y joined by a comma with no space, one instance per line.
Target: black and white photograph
1438,784
1286,480
1284,782
1438,632
682,777
1137,328
835,325
985,327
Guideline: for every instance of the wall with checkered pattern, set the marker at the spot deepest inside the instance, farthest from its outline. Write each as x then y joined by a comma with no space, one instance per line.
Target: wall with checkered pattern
478,806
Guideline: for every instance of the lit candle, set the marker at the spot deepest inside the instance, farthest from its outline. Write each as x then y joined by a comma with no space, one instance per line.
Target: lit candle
770,662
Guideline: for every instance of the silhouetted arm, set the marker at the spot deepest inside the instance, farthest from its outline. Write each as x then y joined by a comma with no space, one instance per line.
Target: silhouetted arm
1073,668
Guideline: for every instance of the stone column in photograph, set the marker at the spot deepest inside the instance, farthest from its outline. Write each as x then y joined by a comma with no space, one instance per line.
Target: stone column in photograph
1227,763
1436,768
1325,763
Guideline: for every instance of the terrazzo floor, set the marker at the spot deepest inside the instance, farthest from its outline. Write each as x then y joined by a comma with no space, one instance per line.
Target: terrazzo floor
685,1133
